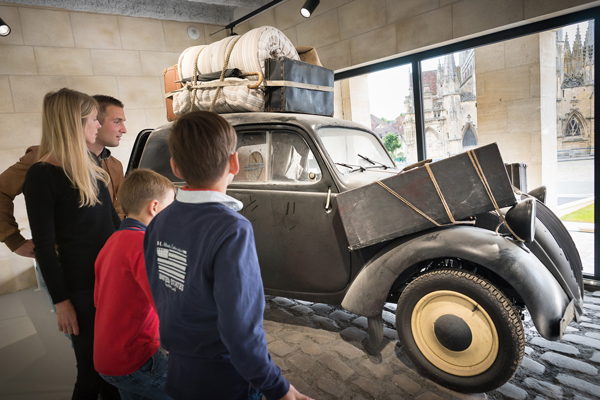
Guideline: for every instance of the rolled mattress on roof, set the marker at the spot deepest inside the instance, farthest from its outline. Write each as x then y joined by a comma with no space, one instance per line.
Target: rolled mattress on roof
248,54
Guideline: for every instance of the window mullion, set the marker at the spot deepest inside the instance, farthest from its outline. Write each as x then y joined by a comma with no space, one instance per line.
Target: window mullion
417,82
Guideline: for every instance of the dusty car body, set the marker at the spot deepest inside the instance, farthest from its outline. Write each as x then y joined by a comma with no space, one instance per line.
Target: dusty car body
461,290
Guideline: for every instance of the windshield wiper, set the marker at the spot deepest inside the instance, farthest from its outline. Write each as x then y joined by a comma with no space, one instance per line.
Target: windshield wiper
373,162
353,168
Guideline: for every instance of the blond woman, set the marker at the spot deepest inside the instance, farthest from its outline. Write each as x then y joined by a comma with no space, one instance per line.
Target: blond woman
69,205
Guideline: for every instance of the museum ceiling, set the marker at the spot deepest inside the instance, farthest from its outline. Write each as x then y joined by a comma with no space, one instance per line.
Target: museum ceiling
218,12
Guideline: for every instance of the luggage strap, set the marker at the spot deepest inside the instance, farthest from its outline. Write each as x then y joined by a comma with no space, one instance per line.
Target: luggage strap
243,82
300,85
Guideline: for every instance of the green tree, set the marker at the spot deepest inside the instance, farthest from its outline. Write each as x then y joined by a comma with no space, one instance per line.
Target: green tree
391,142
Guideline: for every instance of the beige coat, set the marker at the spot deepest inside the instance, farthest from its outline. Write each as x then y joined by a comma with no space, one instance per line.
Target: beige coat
11,185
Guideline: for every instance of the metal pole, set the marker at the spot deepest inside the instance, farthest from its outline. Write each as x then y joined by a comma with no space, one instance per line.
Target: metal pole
419,120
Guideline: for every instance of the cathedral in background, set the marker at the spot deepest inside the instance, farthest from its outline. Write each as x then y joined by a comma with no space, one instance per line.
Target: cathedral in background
575,94
450,108
450,103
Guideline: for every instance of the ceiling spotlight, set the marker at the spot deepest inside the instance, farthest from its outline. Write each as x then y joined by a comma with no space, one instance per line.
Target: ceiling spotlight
308,8
4,28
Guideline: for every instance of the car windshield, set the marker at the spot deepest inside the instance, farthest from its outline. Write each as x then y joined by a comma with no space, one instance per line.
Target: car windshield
354,150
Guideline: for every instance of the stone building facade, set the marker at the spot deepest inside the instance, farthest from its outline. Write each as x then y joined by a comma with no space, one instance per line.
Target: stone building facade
575,94
449,105
450,108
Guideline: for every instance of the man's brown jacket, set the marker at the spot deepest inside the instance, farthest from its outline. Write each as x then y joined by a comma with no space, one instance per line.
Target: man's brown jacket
11,185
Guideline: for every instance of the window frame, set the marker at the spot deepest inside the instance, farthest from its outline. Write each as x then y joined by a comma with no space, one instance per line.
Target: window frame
504,35
320,186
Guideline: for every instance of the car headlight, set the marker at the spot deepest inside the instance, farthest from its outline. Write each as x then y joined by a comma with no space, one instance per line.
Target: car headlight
521,219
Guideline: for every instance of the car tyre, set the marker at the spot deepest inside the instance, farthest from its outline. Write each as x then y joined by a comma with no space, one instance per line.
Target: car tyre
460,330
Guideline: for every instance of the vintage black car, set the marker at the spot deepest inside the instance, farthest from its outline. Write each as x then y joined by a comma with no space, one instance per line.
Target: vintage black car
460,290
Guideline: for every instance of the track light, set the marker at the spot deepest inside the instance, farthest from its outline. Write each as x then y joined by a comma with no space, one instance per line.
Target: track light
4,28
308,8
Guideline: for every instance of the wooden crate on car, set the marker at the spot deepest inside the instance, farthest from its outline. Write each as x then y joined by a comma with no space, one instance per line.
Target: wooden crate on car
425,197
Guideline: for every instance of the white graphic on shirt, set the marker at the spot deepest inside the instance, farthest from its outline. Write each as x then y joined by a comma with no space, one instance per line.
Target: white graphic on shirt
172,264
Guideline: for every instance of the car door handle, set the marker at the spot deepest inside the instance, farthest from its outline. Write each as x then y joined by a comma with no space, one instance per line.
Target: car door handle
328,207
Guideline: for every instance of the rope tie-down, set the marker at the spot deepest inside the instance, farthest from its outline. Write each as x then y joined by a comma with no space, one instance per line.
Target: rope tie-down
222,78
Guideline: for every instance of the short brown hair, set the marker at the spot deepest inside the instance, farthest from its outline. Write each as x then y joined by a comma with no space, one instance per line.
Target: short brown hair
103,103
201,143
141,186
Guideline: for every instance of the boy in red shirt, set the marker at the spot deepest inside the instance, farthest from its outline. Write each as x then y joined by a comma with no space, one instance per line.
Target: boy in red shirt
127,350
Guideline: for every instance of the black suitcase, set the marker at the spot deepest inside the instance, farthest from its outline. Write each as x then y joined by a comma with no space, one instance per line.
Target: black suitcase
517,173
371,214
298,87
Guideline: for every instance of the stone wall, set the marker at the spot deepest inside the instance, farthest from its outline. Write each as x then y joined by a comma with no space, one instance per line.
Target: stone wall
95,53
516,104
352,100
349,33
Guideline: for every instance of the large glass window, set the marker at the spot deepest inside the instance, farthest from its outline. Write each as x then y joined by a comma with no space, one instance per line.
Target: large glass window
575,135
382,101
449,104
533,95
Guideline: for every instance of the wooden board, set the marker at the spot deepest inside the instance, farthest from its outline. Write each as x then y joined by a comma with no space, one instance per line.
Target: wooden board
371,214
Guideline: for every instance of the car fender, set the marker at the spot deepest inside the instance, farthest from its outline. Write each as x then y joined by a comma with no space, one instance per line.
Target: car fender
546,300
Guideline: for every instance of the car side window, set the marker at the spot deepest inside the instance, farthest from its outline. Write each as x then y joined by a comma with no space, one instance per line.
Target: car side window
276,157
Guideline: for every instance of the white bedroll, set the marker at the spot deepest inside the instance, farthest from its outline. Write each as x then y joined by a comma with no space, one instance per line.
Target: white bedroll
247,53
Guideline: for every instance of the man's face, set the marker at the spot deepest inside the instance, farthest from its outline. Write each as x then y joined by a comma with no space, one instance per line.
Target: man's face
113,127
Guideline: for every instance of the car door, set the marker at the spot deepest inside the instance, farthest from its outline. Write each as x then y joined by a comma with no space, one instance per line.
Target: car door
285,188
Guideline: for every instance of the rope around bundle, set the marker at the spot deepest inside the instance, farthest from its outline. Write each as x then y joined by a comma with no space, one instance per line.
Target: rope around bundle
212,106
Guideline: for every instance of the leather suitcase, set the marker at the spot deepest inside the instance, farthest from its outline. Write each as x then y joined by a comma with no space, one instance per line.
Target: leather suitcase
517,173
171,75
371,214
298,87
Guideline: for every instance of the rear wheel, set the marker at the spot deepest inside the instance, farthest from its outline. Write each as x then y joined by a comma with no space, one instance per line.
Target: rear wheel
460,330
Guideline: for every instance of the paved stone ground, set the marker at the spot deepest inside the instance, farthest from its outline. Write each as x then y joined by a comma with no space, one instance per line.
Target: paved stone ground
320,350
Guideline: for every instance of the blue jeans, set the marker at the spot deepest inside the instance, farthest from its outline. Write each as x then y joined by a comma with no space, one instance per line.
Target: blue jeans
147,382
254,394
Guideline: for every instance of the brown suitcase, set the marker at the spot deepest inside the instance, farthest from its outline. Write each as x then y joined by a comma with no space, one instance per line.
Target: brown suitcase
171,75
370,214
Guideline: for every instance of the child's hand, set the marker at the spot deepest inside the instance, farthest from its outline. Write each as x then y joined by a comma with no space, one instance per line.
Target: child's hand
293,394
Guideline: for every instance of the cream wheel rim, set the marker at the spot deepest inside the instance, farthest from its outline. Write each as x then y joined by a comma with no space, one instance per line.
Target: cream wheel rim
483,349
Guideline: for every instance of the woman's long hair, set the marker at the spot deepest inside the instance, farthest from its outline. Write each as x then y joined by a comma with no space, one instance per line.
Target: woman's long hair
63,122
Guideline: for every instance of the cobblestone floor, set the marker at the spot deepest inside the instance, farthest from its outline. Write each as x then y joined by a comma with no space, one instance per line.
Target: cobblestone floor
320,350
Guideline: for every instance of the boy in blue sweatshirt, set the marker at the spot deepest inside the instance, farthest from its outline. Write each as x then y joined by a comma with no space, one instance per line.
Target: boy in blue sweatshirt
204,275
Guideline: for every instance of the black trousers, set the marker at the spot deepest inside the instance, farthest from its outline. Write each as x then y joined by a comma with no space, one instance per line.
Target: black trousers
89,383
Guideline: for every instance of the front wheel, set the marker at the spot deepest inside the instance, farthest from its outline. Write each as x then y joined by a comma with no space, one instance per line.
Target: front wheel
460,330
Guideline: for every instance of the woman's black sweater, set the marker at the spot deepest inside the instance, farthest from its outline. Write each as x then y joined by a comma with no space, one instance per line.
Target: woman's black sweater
55,217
